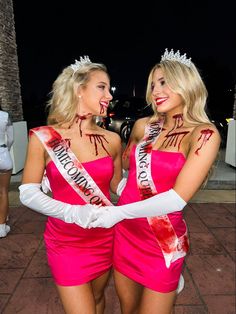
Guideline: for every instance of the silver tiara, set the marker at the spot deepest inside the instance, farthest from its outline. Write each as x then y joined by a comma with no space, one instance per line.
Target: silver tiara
176,57
78,64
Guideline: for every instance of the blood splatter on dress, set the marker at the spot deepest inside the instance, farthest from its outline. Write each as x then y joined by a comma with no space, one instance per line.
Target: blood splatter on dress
137,253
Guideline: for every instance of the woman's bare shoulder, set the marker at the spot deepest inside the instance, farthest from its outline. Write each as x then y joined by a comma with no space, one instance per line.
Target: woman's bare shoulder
142,121
112,135
205,129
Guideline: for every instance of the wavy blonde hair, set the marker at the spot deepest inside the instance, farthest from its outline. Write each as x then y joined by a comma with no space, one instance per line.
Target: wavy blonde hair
64,101
187,82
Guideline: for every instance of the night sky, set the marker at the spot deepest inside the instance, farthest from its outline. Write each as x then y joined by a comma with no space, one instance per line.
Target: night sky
50,35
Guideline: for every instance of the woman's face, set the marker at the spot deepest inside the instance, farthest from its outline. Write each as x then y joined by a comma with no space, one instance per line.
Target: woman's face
95,97
165,99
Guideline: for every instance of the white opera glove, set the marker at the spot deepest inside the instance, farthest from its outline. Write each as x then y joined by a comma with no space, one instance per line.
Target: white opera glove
121,186
158,205
32,197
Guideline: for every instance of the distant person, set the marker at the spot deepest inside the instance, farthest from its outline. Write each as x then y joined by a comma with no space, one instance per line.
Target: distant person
169,156
82,162
6,165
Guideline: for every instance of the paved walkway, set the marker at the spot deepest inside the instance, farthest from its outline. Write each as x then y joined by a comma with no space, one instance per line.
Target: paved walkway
26,286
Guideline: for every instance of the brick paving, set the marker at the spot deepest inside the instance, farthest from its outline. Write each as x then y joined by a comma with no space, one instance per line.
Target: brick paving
26,286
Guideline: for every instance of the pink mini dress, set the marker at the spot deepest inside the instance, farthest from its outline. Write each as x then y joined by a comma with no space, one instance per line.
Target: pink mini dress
77,255
137,254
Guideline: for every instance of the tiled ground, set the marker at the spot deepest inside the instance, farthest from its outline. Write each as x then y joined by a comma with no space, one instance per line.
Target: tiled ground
26,286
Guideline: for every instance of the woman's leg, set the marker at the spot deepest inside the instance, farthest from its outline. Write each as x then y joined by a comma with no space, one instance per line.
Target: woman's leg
99,284
84,299
77,299
129,293
4,200
153,302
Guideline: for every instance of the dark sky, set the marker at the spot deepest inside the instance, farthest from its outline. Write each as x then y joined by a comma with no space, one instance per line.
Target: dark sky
52,34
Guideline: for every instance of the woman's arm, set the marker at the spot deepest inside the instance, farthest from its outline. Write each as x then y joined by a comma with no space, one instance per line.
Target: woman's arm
35,161
136,135
116,149
32,196
204,147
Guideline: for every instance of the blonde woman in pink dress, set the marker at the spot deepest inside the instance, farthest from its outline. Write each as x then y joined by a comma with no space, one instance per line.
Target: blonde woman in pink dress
168,157
6,165
80,162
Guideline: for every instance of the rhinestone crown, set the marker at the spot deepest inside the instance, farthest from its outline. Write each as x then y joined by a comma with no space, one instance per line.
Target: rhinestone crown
78,64
170,55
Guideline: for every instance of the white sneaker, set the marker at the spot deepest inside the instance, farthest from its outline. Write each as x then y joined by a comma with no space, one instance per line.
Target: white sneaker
180,284
4,229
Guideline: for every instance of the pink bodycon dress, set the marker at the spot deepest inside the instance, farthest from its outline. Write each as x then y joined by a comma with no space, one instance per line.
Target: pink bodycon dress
137,255
76,255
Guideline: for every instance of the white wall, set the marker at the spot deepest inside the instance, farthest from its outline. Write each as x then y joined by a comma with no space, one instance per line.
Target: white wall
19,147
230,144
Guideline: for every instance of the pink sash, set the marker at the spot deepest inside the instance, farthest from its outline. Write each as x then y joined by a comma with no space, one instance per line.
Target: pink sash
172,247
70,167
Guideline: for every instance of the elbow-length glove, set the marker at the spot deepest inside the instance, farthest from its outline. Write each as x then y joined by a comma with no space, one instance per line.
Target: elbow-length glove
32,197
158,205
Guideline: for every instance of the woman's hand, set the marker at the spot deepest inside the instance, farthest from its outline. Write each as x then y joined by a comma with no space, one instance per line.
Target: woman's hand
158,205
105,217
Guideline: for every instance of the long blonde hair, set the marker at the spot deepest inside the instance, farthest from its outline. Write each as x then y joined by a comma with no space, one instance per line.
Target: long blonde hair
63,102
187,82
